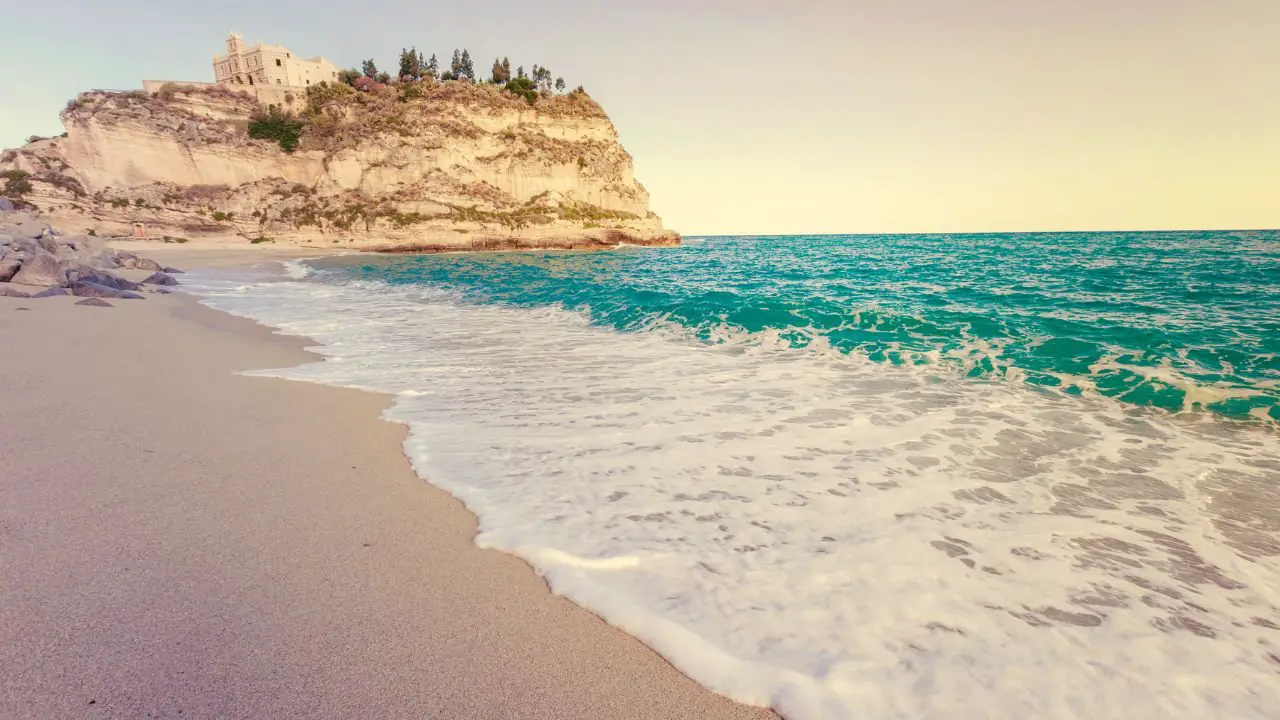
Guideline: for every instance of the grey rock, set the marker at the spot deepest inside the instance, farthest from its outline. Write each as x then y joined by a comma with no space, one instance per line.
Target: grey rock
41,268
95,302
146,264
5,205
173,271
22,225
90,289
159,278
9,268
84,273
9,291
52,292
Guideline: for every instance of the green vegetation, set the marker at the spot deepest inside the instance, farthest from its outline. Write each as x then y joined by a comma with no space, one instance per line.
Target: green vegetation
178,240
91,232
259,240
120,202
220,216
140,202
16,184
277,125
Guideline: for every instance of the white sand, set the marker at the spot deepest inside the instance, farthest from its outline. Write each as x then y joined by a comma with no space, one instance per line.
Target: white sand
177,539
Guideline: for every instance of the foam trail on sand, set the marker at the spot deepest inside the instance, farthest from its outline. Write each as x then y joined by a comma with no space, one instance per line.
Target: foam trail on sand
823,533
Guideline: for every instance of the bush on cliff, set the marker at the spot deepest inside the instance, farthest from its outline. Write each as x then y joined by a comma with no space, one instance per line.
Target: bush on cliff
276,125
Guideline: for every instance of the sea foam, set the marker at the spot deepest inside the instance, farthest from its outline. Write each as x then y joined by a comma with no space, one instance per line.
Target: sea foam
821,533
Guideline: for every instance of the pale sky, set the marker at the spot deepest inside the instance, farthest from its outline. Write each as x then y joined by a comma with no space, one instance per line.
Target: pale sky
799,117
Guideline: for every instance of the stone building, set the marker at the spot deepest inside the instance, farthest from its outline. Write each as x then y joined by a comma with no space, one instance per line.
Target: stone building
269,65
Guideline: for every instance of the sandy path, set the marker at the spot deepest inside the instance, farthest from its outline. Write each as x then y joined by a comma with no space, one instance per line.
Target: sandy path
179,540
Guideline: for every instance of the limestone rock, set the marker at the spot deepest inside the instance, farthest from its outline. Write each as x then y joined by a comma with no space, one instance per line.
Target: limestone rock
94,302
8,268
52,292
5,205
159,278
147,264
173,271
90,289
10,291
41,268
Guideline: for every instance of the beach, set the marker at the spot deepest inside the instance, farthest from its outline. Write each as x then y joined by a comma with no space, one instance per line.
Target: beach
180,540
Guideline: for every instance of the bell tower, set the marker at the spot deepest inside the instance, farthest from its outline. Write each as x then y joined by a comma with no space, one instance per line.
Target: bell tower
235,43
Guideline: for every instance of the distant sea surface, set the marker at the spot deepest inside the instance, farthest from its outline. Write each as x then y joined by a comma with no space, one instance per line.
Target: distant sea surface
964,476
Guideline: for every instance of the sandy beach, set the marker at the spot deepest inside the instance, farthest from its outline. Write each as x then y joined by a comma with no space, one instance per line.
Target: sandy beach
178,540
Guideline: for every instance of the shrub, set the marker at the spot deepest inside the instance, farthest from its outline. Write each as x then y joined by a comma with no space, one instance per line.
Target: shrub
276,125
139,202
523,87
178,240
259,240
120,202
91,232
220,216
16,184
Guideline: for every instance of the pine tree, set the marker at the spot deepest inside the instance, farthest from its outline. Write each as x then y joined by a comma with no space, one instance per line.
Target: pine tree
369,68
496,74
520,72
468,69
433,67
455,65
559,84
422,66
408,64
506,70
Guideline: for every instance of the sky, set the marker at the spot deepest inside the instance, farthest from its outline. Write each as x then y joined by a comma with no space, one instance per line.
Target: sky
807,116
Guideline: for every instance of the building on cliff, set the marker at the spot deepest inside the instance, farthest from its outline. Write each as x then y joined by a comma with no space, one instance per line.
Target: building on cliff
268,65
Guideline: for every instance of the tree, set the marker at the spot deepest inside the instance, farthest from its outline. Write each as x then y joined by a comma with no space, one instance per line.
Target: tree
520,72
410,64
468,69
506,70
455,65
559,84
433,67
349,76
383,78
422,65
501,72
369,68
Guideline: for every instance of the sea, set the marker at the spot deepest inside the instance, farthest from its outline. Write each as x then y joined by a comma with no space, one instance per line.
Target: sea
866,476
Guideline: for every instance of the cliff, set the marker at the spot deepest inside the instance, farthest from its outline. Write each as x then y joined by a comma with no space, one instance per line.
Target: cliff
430,166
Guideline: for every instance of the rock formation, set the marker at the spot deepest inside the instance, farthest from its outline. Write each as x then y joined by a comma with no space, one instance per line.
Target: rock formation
421,167
38,262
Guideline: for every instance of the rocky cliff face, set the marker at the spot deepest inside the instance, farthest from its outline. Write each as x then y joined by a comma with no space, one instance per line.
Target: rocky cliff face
423,167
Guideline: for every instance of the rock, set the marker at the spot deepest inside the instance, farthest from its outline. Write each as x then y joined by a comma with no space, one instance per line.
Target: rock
145,264
22,225
5,205
41,268
90,289
9,291
124,257
173,271
8,268
84,273
159,279
95,302
51,292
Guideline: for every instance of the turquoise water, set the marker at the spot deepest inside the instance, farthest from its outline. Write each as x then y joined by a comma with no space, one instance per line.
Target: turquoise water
1181,321
982,476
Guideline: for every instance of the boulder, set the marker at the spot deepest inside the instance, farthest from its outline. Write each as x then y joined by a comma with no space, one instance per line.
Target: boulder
94,302
173,271
41,268
10,291
146,264
84,288
52,292
84,273
8,268
22,225
159,279
5,205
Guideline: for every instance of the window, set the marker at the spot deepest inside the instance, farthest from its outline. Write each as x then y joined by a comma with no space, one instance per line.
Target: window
308,82
277,62
277,81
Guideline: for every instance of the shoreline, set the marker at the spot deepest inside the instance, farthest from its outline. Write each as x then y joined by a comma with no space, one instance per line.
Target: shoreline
201,545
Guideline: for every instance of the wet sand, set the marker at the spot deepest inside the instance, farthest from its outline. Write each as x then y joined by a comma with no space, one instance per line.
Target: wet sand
177,540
